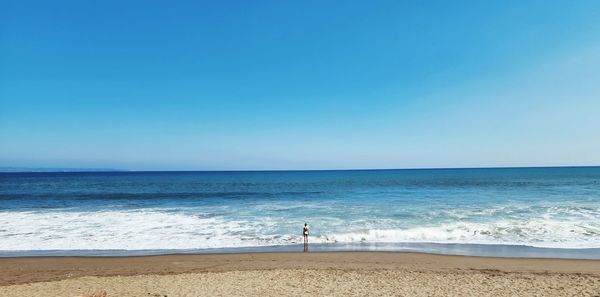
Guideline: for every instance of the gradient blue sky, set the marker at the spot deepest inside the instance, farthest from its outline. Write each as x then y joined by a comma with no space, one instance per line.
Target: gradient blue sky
183,85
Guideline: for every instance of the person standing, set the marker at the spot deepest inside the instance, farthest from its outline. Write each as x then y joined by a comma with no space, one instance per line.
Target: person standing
305,233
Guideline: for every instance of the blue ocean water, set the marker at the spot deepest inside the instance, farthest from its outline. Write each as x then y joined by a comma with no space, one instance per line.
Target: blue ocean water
508,211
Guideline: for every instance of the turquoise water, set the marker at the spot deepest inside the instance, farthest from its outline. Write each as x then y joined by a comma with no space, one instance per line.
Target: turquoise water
468,211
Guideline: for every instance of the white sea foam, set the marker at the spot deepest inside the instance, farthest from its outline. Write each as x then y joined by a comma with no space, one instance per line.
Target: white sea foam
533,233
174,229
130,230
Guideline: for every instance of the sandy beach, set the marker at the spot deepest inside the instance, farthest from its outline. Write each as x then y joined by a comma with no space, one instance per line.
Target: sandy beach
314,274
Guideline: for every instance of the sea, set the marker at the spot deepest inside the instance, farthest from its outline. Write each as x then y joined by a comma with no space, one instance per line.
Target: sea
505,212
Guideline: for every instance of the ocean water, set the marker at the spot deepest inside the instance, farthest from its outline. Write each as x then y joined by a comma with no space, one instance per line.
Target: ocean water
514,211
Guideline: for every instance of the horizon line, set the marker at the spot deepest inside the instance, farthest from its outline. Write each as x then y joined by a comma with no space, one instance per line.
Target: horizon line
105,170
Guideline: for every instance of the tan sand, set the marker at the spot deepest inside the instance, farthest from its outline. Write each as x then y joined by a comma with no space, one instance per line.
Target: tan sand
293,274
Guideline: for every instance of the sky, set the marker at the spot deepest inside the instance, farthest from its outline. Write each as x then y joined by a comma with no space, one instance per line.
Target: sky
258,85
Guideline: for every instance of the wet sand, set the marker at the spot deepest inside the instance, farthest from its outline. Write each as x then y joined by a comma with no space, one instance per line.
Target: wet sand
314,274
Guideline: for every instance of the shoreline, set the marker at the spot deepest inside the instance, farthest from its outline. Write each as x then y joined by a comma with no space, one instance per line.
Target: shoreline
451,249
288,273
21,270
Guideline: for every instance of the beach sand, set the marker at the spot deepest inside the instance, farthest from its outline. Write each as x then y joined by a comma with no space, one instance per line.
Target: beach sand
294,274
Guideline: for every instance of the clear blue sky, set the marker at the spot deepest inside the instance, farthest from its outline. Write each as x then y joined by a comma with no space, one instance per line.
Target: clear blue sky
181,85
